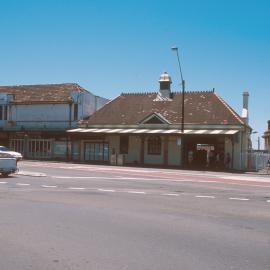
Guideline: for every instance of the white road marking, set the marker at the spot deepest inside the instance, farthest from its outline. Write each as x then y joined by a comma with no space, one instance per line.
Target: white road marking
3,182
205,196
106,190
27,173
46,186
268,201
109,178
22,184
239,199
246,178
77,188
170,194
136,192
82,177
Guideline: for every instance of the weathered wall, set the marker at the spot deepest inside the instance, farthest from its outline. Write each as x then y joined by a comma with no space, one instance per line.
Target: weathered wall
134,149
237,147
75,148
38,115
114,144
101,102
88,103
60,149
174,158
55,115
153,159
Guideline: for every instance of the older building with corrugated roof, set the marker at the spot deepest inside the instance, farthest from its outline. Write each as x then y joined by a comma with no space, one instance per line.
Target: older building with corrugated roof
34,118
146,129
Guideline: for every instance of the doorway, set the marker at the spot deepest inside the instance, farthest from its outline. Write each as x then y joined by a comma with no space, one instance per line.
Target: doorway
204,152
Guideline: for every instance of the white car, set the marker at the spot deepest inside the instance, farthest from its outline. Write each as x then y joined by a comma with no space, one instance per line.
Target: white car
8,166
5,152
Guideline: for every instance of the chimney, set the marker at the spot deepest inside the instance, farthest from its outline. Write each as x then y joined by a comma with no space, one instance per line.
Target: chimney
245,107
165,85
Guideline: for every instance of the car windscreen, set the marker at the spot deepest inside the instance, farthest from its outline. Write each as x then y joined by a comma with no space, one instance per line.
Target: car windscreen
3,148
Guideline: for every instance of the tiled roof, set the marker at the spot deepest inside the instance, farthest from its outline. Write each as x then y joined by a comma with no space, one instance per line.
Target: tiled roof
42,93
204,107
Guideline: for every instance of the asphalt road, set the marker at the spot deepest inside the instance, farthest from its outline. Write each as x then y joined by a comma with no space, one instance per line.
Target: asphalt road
72,216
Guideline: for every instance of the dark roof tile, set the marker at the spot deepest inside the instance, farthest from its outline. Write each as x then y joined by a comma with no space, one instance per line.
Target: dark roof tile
42,93
201,107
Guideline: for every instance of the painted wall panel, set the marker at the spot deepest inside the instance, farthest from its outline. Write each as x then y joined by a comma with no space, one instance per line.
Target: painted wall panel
153,159
134,146
174,152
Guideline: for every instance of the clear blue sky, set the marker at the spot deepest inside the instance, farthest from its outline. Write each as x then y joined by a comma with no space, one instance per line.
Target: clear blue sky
113,46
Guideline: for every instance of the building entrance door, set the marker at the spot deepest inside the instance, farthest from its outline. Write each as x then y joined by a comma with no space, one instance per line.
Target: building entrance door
204,153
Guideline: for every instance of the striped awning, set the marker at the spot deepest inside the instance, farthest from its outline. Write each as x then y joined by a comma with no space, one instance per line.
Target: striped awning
155,131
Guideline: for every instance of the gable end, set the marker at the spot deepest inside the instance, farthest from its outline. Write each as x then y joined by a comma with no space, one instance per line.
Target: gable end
155,118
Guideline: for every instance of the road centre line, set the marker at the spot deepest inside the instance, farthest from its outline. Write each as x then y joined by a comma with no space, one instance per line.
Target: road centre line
205,196
136,192
82,177
109,177
131,191
152,178
239,199
112,178
170,194
106,190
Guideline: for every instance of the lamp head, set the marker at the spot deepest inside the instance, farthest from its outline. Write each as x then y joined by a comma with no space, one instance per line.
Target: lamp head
175,49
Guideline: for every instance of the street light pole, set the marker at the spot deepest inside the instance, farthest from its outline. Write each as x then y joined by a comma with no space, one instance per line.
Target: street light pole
175,49
254,132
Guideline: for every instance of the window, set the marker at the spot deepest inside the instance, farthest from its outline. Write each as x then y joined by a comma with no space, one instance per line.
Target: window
75,112
154,145
3,112
96,151
39,148
17,145
123,144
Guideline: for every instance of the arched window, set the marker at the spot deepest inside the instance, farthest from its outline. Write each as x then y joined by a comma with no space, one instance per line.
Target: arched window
154,145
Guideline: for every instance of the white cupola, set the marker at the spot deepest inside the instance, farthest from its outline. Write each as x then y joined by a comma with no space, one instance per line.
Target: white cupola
165,85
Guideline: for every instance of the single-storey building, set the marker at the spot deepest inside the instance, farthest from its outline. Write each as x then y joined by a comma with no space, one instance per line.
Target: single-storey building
145,129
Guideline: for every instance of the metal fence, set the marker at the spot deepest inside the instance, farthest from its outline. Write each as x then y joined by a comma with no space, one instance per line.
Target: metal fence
256,161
